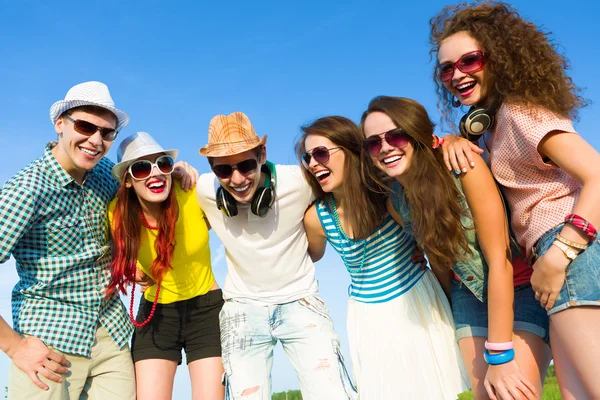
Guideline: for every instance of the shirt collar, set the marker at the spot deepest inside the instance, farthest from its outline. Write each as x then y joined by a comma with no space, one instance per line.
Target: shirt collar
58,172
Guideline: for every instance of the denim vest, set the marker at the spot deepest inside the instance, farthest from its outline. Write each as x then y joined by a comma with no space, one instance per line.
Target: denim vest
471,269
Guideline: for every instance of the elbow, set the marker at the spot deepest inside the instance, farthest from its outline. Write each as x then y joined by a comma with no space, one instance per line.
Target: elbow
315,255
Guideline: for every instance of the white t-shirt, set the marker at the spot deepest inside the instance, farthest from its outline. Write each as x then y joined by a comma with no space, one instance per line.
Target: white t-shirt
267,258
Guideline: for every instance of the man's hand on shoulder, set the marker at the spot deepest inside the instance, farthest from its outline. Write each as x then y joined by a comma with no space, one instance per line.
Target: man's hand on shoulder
34,358
186,174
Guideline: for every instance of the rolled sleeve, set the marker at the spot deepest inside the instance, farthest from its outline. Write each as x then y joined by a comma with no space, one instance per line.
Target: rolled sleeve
17,211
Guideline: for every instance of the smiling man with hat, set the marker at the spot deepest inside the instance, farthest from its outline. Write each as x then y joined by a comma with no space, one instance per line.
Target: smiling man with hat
53,224
256,209
52,221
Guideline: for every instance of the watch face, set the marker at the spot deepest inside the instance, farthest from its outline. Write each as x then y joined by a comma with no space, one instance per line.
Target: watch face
571,253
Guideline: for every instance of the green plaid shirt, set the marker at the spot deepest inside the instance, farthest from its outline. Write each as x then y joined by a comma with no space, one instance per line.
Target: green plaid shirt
57,232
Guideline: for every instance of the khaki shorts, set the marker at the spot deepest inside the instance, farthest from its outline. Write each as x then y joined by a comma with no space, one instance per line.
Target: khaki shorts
108,374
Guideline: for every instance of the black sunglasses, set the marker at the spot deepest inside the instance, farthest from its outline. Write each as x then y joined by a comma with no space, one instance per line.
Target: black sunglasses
320,154
246,167
88,129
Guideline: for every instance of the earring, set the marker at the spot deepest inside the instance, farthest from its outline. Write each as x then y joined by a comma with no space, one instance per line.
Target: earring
455,102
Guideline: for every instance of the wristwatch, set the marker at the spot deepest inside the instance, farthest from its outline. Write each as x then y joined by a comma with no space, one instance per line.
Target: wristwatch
568,252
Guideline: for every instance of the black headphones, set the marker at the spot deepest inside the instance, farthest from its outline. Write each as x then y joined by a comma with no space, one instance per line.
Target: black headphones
478,121
263,198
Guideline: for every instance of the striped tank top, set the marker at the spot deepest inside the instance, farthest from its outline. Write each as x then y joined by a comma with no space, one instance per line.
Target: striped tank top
380,267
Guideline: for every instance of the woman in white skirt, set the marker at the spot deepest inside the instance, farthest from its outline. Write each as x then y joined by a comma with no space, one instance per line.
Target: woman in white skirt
462,226
400,327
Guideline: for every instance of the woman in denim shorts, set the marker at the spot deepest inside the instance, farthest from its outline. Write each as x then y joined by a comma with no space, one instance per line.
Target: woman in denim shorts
462,227
510,74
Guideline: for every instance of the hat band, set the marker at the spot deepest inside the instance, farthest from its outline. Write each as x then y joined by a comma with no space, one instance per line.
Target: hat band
215,144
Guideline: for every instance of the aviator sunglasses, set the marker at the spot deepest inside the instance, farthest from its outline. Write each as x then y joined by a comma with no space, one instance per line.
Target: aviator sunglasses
88,129
468,64
395,137
320,154
224,171
142,169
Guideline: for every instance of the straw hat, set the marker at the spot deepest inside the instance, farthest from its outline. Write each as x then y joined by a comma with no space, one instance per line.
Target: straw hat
136,146
231,134
88,94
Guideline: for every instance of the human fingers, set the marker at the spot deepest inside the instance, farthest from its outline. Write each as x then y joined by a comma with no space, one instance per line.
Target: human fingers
505,394
447,161
453,161
544,299
531,388
46,373
36,380
462,158
474,148
490,390
551,300
527,389
58,360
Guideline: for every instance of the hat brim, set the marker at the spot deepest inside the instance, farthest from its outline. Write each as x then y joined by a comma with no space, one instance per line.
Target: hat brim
119,169
61,106
230,149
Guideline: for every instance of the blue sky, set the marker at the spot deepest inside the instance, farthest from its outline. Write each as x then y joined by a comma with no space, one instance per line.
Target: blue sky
172,66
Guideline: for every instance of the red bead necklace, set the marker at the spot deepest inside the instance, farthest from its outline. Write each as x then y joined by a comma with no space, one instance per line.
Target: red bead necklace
145,221
137,324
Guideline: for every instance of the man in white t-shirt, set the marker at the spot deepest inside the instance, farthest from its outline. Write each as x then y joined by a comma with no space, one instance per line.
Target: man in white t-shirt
256,209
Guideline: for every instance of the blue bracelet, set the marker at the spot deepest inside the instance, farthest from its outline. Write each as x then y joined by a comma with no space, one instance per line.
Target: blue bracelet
499,358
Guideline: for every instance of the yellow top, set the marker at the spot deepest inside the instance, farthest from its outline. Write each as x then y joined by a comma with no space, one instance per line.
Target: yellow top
191,274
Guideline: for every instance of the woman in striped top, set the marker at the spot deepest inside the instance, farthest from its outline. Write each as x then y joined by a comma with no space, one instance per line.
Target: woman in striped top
398,316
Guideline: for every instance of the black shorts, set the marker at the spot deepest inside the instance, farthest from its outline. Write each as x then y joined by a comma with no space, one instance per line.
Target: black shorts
191,324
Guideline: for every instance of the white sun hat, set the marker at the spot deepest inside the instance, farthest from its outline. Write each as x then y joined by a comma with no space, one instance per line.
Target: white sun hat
88,94
136,146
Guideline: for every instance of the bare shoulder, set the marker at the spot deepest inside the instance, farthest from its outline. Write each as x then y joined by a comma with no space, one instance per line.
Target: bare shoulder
311,221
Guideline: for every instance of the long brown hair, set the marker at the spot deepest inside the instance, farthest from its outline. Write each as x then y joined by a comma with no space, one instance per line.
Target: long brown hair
522,61
430,189
365,208
126,234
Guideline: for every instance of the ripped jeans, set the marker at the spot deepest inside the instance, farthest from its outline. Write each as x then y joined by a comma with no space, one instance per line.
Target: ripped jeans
249,333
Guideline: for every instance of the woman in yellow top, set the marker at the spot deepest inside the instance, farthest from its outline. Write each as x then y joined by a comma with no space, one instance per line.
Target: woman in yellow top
160,229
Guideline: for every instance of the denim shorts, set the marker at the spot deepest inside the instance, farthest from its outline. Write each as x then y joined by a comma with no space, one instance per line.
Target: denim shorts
582,282
471,315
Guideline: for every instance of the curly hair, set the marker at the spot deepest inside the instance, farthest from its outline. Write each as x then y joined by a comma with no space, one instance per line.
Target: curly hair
367,206
523,62
431,192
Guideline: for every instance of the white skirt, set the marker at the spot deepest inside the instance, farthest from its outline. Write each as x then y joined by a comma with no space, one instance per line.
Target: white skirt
406,348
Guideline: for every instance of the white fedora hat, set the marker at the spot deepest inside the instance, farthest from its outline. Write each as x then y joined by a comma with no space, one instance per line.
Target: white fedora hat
135,146
88,94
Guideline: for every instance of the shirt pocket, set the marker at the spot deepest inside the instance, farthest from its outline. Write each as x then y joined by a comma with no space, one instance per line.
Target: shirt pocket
64,236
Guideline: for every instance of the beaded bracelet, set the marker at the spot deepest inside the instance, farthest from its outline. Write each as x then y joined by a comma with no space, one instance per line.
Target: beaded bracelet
582,224
499,346
500,358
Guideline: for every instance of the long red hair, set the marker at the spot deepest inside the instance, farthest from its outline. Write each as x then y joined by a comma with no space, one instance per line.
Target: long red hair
126,235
